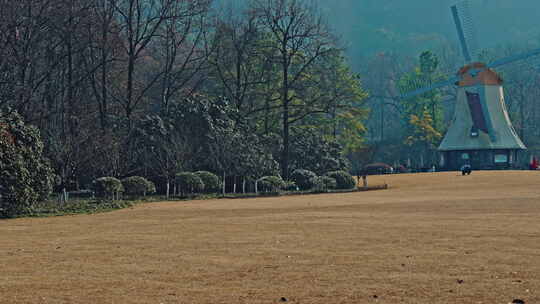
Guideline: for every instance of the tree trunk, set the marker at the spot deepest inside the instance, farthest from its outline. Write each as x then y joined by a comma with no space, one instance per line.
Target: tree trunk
167,188
244,185
223,188
234,184
285,155
129,97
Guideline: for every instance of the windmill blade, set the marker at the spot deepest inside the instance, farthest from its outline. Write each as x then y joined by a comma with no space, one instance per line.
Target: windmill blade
465,29
514,58
441,84
461,35
530,64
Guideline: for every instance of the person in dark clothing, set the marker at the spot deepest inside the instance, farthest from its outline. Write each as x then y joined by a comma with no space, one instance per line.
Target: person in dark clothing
466,169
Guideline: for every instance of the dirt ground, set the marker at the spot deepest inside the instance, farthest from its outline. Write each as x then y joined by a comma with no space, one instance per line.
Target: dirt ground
430,238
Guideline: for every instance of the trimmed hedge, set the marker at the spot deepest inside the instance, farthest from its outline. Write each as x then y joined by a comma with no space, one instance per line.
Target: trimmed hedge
137,185
150,187
343,179
303,178
270,183
210,180
107,186
189,182
377,168
323,183
289,186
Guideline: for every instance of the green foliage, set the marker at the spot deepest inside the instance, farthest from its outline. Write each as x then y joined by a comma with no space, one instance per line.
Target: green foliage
303,178
344,99
423,130
210,180
107,187
316,153
343,179
26,175
428,63
422,115
351,129
289,186
424,75
137,185
77,206
271,184
189,182
323,183
150,187
249,92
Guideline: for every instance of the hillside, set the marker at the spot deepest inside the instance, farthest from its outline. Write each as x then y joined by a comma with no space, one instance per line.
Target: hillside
369,26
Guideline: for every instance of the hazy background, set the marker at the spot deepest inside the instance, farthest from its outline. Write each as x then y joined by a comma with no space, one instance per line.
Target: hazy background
410,26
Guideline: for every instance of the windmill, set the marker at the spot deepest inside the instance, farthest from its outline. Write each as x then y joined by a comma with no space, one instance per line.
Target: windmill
481,133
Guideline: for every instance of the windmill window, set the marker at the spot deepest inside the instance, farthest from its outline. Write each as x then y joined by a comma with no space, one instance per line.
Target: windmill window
477,115
501,158
474,132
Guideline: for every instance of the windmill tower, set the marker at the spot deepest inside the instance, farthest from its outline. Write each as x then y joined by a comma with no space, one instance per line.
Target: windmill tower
481,133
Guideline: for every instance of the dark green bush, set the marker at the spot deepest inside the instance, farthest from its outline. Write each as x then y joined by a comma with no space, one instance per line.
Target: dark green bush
323,183
189,182
303,178
150,187
343,179
210,180
26,177
270,184
107,187
138,185
376,168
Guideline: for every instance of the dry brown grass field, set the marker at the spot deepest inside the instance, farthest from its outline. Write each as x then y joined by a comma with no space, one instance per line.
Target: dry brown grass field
430,238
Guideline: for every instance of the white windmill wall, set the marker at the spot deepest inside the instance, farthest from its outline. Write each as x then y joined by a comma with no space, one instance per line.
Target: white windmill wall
458,136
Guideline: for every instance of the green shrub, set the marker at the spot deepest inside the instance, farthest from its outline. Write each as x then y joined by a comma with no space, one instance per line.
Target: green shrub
270,183
150,187
210,180
189,182
323,183
289,186
137,185
343,179
303,178
26,177
107,186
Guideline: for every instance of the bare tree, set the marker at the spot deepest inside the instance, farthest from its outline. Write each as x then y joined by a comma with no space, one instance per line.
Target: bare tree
139,22
181,50
239,60
299,37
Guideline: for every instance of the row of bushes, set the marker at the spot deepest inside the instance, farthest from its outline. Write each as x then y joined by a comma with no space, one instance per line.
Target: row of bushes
204,181
196,182
300,180
110,187
308,180
187,182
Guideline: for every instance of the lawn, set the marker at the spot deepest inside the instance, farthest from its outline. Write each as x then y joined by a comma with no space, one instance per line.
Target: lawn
429,238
